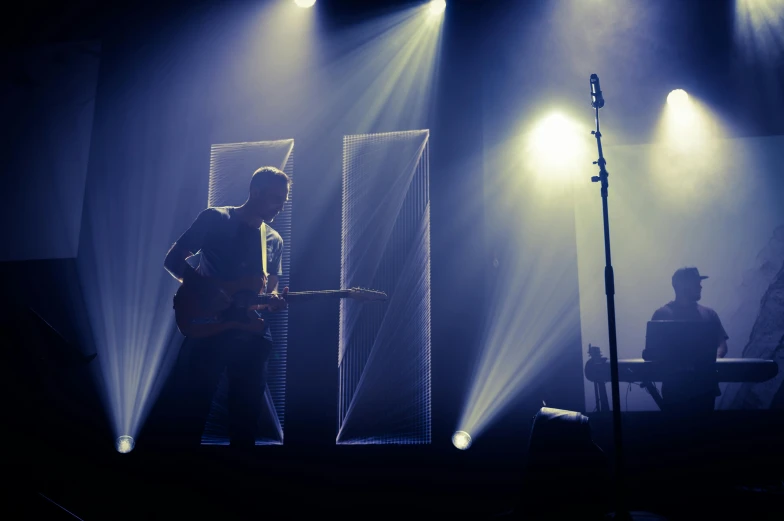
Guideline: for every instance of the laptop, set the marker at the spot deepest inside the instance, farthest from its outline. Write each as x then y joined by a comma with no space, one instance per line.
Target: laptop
681,342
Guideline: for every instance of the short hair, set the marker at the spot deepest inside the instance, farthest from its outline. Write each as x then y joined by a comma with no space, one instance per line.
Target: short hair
266,176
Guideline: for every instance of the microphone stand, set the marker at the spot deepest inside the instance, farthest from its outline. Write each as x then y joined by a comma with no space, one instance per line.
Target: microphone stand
609,286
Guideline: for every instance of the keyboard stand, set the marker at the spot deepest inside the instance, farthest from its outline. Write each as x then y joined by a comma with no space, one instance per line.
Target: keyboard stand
654,392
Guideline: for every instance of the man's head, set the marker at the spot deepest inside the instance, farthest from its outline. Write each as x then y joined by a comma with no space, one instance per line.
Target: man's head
269,191
687,283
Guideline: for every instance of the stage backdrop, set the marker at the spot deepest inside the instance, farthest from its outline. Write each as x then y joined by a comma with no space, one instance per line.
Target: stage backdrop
47,98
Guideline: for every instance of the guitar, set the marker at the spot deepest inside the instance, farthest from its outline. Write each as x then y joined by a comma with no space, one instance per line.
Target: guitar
195,321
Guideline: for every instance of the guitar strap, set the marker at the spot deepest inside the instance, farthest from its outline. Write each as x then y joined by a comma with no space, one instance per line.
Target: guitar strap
263,231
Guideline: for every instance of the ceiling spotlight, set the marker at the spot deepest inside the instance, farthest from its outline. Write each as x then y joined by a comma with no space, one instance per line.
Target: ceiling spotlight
305,3
677,98
437,6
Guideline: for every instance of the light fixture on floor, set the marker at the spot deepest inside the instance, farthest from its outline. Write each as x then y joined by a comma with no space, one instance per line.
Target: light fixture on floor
124,444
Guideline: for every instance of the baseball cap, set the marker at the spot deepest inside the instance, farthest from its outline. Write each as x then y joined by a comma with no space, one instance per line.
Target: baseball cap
688,273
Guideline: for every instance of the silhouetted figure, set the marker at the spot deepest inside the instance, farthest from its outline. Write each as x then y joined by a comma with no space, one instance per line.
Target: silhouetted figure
686,393
778,398
230,243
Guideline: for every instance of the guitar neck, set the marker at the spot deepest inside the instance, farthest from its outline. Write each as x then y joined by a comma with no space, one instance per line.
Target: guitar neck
310,295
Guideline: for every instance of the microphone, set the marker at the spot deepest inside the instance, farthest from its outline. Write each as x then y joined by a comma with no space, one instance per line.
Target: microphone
597,100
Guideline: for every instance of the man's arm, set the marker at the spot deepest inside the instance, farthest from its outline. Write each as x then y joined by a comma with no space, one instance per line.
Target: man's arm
278,301
276,267
176,263
721,352
186,246
210,294
272,283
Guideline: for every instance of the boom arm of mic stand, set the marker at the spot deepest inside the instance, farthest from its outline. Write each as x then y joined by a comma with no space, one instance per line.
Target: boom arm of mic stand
609,286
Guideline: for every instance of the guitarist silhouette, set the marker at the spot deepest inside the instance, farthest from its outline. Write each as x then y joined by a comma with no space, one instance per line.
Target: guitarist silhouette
229,240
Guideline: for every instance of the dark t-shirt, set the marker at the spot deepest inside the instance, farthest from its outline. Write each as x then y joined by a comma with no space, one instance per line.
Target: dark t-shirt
228,248
692,312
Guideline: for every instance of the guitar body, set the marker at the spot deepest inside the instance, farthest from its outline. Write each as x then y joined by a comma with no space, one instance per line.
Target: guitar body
205,330
196,321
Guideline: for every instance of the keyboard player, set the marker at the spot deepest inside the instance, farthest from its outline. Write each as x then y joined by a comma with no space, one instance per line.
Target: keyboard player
684,394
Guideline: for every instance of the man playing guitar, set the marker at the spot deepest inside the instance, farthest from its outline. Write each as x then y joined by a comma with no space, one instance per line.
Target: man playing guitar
229,242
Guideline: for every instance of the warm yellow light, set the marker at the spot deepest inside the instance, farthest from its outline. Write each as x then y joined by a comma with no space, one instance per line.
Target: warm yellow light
305,3
555,144
437,6
678,98
691,152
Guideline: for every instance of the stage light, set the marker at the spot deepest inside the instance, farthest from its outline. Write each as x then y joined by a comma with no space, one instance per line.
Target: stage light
693,153
461,440
564,462
305,3
678,98
551,133
758,29
124,444
437,6
555,146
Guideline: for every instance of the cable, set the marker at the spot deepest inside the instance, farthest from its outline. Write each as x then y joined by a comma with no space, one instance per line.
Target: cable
60,507
628,390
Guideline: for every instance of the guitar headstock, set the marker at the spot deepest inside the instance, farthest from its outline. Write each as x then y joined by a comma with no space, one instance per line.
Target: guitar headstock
367,295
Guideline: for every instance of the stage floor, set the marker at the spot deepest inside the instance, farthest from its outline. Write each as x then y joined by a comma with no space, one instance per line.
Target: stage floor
737,475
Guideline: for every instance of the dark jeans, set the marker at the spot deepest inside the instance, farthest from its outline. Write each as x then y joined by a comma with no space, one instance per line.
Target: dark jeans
690,393
180,413
688,419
